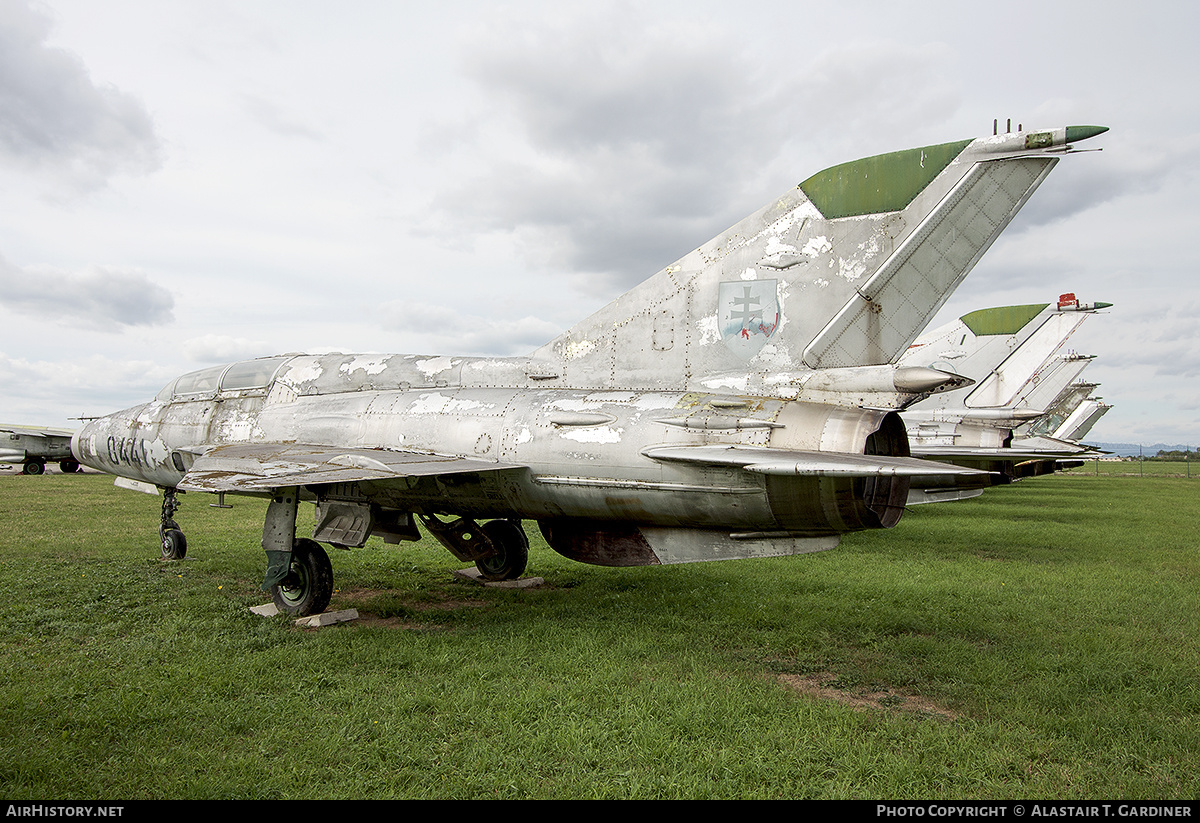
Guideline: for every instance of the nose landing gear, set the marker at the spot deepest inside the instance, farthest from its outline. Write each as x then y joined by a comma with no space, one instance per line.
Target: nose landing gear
171,537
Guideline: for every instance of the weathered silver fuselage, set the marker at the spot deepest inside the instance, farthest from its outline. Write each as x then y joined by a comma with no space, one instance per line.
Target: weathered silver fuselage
578,454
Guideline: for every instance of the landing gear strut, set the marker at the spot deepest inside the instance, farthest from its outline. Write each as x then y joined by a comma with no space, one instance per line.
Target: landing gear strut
172,540
299,575
499,548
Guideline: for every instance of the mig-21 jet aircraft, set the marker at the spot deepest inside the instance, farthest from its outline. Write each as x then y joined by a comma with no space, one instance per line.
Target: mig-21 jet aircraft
1012,356
738,403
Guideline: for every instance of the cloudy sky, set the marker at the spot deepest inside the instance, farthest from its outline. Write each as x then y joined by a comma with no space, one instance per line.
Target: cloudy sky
189,182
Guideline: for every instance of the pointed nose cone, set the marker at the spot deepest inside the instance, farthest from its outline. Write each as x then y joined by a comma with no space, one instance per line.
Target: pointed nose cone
1077,133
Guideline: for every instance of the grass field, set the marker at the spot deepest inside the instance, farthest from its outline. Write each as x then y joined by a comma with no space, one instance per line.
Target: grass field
1136,468
1039,641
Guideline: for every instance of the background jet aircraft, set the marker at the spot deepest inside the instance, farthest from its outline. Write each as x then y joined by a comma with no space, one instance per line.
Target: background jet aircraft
1013,357
1058,381
735,404
1080,421
1070,416
34,446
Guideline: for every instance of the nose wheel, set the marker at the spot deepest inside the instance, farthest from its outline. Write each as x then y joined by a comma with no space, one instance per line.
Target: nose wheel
174,543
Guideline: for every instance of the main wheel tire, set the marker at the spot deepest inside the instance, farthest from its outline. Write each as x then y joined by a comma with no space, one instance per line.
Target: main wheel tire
68,466
512,551
34,467
174,544
309,584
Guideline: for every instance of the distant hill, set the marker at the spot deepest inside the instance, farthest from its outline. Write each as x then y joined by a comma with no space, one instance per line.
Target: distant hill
1134,449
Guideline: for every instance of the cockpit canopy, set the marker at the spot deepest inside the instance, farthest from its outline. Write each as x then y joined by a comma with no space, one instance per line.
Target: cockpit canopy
247,375
289,376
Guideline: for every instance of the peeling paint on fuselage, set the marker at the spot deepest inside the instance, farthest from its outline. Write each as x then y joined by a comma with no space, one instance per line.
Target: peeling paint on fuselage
578,348
453,421
435,365
367,363
438,403
710,329
593,434
299,373
816,246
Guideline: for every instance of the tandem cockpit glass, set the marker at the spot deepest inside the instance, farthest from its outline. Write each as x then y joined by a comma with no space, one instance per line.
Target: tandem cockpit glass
246,375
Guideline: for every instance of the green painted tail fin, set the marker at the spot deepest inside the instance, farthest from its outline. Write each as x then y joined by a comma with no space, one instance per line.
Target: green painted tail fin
844,270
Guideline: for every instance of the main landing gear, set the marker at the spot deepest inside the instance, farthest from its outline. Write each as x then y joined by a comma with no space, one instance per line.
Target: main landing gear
499,548
299,574
300,577
308,585
37,465
511,551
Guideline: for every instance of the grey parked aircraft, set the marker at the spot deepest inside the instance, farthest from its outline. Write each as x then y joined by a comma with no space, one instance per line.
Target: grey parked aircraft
35,446
739,403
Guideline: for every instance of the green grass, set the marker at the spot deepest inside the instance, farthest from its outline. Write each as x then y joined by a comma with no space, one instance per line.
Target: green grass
1039,641
1139,468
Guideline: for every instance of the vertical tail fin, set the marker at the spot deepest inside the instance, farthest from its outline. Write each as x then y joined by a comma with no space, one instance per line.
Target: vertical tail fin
843,270
1080,422
1011,354
1065,407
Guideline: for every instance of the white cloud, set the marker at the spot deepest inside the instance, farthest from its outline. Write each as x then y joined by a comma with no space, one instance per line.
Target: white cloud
618,142
222,348
49,392
436,328
55,117
102,298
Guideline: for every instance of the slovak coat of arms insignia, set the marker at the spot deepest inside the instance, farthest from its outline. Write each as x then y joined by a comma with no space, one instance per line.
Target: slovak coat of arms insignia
748,314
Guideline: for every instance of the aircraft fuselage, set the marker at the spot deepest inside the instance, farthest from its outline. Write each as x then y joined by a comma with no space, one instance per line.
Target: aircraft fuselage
576,454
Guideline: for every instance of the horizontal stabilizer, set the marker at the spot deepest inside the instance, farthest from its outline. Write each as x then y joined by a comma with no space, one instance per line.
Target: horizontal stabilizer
263,467
1000,453
765,460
